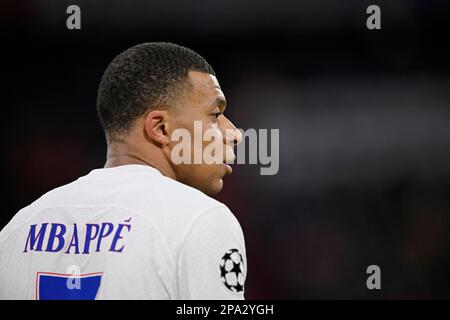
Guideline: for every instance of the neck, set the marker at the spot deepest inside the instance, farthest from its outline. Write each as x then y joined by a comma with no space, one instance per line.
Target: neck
121,153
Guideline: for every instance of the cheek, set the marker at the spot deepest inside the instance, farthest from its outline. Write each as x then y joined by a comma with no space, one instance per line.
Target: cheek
187,118
211,133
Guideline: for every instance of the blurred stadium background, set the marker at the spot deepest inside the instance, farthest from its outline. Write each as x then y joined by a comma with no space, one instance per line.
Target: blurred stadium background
364,121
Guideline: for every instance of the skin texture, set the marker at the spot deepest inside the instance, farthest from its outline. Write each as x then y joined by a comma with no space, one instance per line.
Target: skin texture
149,141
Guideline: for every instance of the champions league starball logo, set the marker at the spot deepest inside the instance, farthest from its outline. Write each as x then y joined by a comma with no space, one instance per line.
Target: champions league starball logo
232,270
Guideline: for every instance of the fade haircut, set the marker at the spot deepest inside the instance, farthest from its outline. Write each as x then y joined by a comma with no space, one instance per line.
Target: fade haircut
143,77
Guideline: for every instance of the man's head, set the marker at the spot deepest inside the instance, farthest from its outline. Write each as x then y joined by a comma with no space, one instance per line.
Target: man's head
153,89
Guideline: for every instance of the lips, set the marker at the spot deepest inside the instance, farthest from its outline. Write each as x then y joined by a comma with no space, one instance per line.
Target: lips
230,157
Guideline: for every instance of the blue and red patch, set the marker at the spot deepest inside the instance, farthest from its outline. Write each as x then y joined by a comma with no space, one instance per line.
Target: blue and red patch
58,286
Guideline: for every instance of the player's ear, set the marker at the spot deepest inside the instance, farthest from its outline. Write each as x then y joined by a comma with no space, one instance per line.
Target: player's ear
156,127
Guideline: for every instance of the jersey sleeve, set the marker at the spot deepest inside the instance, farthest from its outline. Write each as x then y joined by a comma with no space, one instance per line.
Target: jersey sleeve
212,262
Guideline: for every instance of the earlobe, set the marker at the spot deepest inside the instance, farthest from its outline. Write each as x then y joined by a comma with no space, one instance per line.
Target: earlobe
156,127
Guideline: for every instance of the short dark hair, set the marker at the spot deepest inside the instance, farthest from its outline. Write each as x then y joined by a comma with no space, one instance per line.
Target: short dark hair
141,78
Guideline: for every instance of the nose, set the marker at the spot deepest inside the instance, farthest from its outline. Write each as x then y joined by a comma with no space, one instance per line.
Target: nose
232,135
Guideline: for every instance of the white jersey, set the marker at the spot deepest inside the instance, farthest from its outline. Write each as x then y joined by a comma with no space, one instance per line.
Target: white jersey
126,232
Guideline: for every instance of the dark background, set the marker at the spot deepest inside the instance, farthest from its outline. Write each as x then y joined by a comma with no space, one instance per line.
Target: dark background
364,121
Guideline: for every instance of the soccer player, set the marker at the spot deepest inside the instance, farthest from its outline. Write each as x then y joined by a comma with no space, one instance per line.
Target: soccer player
142,227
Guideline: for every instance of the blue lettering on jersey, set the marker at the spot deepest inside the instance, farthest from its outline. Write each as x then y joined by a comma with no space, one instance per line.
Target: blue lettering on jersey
56,235
51,286
104,234
89,236
32,237
72,239
117,236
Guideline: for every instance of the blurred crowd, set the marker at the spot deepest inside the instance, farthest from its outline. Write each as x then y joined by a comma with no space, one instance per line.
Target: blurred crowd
364,123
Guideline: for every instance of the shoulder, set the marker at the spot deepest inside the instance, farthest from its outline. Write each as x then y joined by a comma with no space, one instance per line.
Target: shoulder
187,212
186,206
218,222
187,196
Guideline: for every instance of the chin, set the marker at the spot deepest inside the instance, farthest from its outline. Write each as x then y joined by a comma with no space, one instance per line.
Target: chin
214,188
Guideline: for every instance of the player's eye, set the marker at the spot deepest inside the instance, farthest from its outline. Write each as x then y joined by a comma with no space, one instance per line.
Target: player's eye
217,114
